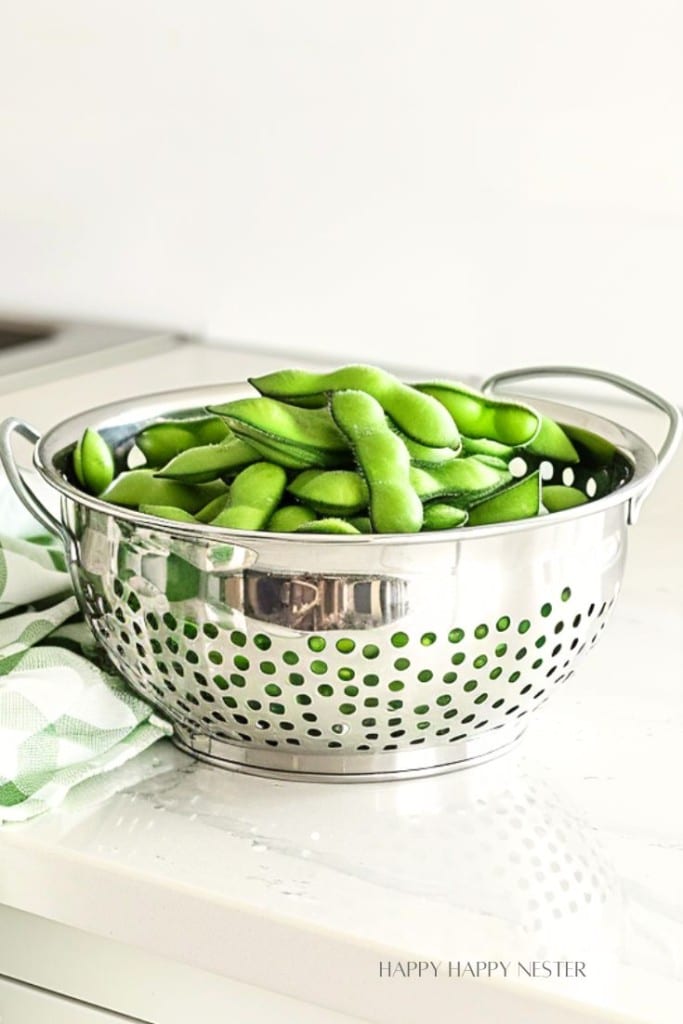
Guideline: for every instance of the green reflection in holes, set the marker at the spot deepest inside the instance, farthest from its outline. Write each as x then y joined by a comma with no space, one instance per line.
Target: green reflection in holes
290,658
319,667
345,645
238,639
317,643
456,635
345,674
325,690
399,639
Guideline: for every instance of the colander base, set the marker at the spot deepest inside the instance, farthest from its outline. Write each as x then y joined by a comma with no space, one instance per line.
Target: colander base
355,767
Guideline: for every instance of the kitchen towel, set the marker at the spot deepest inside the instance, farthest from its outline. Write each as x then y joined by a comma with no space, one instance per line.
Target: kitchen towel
65,715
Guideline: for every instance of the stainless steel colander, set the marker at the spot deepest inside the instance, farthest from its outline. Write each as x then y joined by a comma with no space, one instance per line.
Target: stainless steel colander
327,657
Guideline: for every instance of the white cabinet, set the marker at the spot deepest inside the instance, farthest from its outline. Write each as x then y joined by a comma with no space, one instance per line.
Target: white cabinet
21,1004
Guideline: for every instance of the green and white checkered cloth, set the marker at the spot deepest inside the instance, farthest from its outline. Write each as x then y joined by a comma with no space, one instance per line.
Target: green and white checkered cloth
65,716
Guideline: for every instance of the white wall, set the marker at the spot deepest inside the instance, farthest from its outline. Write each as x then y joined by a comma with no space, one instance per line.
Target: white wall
382,178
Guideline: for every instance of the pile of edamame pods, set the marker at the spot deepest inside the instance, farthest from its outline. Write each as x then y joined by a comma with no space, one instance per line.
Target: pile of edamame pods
347,452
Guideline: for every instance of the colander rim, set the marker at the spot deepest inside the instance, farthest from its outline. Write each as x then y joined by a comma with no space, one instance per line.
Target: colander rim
183,402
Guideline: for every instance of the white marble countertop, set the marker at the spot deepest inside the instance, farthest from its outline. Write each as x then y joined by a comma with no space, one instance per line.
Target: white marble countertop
570,849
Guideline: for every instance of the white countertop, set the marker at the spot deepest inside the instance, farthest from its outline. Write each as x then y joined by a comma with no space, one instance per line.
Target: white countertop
569,849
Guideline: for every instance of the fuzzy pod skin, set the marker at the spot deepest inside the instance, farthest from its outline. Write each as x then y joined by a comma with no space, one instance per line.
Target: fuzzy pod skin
336,492
288,518
328,525
93,462
442,516
271,421
209,462
383,460
416,415
141,487
282,453
521,500
557,498
468,478
255,493
478,416
160,442
551,442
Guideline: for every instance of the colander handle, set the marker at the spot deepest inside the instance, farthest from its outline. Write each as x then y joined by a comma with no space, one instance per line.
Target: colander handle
21,489
673,415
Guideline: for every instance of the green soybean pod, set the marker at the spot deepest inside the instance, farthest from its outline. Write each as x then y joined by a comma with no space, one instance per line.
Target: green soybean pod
291,456
162,441
466,478
485,446
178,515
255,493
415,414
287,518
337,492
594,451
557,498
441,516
93,462
141,487
551,442
361,523
425,456
209,462
521,500
209,511
272,421
383,460
478,416
329,525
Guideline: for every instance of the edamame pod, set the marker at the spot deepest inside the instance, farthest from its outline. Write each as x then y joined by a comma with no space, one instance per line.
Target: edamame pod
383,460
594,451
339,492
416,415
161,442
331,525
425,456
361,523
485,446
209,511
551,442
292,457
268,420
93,462
141,487
255,493
467,479
209,462
477,415
168,512
441,516
557,498
287,518
520,500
